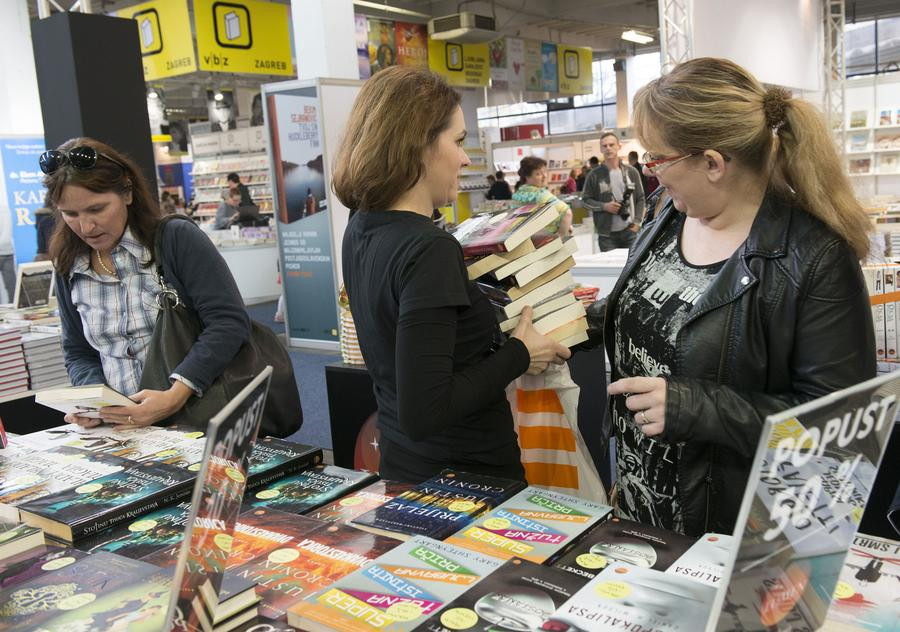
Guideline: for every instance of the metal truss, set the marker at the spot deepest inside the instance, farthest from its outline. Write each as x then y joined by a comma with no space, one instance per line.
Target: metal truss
676,33
45,7
835,71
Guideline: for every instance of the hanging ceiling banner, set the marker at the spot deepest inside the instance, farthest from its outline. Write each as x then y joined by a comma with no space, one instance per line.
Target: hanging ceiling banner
462,65
248,36
533,70
548,67
575,76
412,44
163,55
515,63
499,64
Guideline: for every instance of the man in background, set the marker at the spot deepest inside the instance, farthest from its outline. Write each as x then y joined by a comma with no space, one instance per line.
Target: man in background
605,190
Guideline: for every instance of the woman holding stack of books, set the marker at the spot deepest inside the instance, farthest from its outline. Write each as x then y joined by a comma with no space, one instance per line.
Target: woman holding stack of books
743,297
426,333
107,287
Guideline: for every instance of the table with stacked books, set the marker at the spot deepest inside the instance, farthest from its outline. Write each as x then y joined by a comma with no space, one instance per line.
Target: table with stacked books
91,521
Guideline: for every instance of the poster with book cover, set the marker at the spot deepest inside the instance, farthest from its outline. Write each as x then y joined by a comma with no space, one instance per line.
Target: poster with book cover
515,63
549,78
217,499
534,77
411,42
499,64
301,212
810,480
362,45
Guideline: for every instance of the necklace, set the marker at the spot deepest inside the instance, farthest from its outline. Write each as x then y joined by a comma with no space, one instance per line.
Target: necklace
103,265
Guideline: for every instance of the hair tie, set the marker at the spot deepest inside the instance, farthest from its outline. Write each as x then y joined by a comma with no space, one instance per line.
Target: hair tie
775,107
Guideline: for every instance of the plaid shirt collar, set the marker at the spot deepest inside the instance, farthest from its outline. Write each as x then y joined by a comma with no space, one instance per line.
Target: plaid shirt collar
128,243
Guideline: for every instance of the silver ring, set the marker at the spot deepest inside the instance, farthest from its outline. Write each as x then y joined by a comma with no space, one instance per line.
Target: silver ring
643,414
130,420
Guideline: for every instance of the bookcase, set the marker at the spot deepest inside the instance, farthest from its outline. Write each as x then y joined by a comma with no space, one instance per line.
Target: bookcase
872,133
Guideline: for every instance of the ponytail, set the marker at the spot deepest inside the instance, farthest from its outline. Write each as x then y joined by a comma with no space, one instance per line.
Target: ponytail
807,164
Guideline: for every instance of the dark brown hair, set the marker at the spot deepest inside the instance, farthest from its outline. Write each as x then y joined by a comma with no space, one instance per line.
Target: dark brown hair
527,166
397,115
106,176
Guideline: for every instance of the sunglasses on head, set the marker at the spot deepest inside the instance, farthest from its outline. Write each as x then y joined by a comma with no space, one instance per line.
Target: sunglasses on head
82,158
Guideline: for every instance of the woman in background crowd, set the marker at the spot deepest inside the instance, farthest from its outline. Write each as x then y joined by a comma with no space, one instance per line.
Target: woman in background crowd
743,297
532,189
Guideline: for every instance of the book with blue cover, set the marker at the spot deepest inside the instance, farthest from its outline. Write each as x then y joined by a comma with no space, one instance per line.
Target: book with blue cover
438,507
309,489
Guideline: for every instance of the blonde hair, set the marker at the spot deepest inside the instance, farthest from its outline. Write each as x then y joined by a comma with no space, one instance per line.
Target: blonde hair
397,115
709,103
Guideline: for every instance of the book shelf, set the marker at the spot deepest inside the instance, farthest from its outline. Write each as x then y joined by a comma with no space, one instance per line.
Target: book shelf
872,135
210,180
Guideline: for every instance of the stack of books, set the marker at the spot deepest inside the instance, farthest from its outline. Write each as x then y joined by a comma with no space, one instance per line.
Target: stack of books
44,357
515,263
13,374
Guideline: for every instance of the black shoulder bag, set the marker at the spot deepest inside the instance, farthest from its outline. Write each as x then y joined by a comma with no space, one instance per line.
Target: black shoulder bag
177,329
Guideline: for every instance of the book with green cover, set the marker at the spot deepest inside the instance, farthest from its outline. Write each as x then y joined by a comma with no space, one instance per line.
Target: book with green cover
398,591
28,474
536,524
309,489
147,534
439,506
273,458
75,513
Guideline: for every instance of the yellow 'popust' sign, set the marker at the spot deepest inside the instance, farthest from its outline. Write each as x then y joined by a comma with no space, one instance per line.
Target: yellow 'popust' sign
574,69
164,29
244,36
462,65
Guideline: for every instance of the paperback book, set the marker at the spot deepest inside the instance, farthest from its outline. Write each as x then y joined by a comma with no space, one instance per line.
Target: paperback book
502,232
34,563
85,401
398,591
150,533
438,507
628,597
260,531
536,524
359,502
618,540
75,513
16,538
706,560
520,595
273,458
309,489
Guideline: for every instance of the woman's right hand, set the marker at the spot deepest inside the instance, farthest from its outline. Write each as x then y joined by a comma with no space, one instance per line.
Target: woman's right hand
84,422
541,349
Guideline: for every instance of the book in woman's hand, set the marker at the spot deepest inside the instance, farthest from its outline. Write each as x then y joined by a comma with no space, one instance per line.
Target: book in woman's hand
84,401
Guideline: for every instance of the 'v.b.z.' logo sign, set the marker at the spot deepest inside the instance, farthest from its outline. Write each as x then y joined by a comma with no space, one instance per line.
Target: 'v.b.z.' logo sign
231,22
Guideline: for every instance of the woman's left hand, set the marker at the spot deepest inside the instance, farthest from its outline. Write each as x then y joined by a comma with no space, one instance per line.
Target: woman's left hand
647,399
152,406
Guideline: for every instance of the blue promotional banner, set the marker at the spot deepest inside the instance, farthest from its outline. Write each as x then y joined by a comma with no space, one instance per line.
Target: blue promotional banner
549,81
24,190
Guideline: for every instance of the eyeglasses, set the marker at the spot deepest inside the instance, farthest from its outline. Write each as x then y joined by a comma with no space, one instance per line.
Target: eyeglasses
655,165
83,158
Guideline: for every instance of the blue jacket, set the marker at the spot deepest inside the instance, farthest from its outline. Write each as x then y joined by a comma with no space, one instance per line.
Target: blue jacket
193,266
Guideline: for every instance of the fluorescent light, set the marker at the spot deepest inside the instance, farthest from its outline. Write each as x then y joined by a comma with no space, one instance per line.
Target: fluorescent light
637,37
384,6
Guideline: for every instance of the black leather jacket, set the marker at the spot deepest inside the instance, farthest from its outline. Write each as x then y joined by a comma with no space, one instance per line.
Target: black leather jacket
786,320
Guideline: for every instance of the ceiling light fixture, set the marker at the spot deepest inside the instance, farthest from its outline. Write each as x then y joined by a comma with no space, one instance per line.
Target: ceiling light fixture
638,37
383,6
218,96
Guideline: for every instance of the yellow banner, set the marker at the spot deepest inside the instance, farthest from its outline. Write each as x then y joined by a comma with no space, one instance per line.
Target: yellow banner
247,36
164,29
575,76
462,65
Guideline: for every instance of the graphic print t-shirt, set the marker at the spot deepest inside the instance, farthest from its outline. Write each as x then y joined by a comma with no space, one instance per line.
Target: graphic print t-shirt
653,306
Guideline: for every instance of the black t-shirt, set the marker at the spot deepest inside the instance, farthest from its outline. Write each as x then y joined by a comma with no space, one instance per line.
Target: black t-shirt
427,335
655,302
499,191
246,200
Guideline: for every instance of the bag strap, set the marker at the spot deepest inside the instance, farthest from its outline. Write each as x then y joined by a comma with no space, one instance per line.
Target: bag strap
166,290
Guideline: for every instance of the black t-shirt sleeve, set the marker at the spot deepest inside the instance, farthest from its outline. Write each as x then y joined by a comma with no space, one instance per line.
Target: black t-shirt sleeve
431,396
435,276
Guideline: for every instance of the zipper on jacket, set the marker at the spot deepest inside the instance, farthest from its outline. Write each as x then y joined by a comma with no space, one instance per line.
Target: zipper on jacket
720,374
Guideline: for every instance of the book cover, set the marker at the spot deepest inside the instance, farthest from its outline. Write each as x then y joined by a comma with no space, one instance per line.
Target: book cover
502,232
518,596
34,563
309,489
85,401
398,591
285,575
171,445
865,597
260,531
536,524
29,604
152,532
74,513
630,597
885,117
273,458
216,501
16,538
359,502
859,118
859,141
705,560
440,506
618,540
28,474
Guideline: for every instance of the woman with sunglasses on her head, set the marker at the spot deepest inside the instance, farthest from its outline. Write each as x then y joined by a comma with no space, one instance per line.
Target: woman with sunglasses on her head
426,332
107,289
743,297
